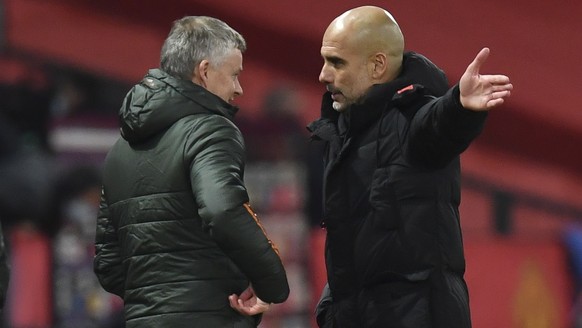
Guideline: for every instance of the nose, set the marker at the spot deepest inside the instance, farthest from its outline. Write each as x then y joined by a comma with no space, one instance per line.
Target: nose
325,75
238,91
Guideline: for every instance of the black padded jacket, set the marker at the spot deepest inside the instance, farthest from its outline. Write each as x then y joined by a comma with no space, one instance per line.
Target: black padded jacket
394,251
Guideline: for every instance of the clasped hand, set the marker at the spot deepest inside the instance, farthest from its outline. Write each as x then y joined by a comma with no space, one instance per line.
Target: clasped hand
248,303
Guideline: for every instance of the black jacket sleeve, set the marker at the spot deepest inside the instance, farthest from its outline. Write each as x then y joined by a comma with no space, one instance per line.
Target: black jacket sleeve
323,311
442,129
216,174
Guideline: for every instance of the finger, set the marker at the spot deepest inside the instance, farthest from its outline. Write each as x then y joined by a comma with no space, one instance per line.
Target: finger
233,300
499,88
256,309
246,310
239,306
252,310
246,294
501,94
495,102
475,66
495,79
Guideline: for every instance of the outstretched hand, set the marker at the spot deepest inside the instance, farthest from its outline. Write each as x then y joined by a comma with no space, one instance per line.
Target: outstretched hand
483,92
248,303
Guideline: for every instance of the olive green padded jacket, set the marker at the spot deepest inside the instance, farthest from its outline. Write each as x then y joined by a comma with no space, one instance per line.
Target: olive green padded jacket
175,232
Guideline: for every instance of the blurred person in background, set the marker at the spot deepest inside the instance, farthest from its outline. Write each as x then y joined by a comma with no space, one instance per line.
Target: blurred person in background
176,236
79,300
394,251
27,175
26,159
275,133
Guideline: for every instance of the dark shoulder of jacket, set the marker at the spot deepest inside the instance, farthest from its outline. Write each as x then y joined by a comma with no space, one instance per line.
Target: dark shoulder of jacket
215,126
425,82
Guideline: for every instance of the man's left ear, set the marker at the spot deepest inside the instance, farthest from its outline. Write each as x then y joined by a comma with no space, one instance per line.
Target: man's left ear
379,65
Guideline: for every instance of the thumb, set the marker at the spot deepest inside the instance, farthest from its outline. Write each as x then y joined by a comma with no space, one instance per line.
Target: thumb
475,66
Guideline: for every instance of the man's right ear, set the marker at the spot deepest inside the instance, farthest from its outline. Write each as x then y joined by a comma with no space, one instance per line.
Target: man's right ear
200,75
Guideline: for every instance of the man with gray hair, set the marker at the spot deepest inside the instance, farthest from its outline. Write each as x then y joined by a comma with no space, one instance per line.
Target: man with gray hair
176,236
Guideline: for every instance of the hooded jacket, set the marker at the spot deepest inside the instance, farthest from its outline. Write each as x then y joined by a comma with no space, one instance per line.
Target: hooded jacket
394,251
175,232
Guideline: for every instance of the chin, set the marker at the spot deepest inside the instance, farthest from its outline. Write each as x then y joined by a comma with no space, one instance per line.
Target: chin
338,107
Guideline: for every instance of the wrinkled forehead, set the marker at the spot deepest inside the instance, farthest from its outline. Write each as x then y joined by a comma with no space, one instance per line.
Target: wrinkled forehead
338,37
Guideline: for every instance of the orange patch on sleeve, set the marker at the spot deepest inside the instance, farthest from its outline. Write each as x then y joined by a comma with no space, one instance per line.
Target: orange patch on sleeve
256,218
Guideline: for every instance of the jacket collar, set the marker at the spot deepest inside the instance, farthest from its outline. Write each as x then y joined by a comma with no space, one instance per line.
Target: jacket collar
195,93
160,100
416,69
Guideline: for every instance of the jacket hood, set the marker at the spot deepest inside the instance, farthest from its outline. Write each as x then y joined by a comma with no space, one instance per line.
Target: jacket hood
417,70
160,100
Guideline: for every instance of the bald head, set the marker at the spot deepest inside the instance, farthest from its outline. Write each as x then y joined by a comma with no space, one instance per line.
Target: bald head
360,48
370,30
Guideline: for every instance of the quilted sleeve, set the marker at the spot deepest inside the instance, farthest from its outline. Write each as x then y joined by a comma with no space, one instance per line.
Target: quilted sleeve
216,174
107,263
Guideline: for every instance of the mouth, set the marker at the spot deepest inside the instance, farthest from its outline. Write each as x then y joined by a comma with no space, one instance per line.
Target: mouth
336,95
334,92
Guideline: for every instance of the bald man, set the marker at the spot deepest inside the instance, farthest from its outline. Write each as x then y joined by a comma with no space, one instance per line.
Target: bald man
393,132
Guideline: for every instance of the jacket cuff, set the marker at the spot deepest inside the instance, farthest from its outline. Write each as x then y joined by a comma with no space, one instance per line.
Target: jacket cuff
460,120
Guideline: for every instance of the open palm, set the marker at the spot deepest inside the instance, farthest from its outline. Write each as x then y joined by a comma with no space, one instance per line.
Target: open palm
483,92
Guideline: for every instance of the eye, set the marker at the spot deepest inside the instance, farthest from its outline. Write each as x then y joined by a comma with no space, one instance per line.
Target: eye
336,62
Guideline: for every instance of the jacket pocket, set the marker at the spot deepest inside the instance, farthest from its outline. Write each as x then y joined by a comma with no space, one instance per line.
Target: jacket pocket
395,241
